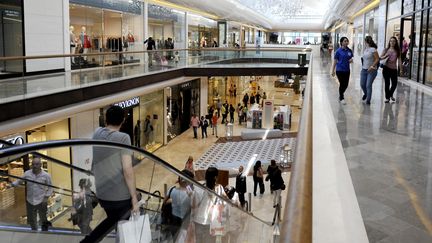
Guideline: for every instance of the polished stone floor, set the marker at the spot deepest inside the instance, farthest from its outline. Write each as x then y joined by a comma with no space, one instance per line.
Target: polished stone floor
388,152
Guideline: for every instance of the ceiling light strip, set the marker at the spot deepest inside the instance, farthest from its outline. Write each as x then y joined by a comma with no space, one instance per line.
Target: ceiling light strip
185,9
367,8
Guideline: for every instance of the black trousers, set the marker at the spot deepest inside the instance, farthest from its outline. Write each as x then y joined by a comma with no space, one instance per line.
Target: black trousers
259,181
115,211
242,198
32,211
343,78
389,74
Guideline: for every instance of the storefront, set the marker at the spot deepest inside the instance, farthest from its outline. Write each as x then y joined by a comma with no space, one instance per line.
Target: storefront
151,115
233,34
11,37
12,205
102,26
183,101
165,23
414,35
202,32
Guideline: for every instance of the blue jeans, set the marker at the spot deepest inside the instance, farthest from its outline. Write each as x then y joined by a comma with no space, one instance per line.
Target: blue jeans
366,81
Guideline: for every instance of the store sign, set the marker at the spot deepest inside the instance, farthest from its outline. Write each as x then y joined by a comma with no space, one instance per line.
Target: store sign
18,140
187,85
129,103
11,13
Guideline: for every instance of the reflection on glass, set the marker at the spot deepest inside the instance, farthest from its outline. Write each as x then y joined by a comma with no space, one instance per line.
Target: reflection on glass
415,40
428,73
11,39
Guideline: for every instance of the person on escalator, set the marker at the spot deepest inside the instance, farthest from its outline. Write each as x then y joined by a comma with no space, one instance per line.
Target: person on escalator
179,198
114,175
83,204
37,195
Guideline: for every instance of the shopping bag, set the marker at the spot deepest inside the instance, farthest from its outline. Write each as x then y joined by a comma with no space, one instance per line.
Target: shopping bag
134,230
218,219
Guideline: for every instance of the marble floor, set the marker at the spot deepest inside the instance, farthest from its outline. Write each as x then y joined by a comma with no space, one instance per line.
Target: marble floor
388,153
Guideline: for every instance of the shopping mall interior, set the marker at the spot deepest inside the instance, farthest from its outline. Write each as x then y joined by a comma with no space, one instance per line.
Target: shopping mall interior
240,121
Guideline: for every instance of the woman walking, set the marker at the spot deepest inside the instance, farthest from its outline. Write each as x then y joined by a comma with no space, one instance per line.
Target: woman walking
258,175
341,67
390,72
369,70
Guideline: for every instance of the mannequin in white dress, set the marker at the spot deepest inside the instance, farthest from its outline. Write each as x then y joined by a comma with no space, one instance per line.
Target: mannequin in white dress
73,42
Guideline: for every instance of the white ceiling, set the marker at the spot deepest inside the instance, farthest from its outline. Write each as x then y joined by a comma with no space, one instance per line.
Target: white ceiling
315,15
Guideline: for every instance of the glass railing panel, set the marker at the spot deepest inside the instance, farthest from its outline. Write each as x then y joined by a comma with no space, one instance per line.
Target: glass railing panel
116,66
212,213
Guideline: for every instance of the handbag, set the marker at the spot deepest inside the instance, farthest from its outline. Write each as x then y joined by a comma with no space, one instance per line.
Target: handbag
134,230
166,210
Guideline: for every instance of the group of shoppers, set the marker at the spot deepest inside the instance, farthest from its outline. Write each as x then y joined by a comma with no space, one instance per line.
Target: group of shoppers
389,60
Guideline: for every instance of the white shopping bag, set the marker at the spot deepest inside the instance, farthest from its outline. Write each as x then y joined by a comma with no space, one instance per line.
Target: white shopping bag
134,230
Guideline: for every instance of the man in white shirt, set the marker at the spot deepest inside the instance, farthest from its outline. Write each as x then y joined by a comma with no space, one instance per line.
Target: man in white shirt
37,194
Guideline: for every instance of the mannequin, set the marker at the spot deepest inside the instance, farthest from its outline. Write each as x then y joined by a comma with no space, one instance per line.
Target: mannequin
85,41
72,42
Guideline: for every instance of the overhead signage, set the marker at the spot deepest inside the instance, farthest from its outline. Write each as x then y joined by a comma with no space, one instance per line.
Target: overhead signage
129,103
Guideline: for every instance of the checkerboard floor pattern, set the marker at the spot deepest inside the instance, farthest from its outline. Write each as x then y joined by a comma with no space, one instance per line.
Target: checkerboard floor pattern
231,155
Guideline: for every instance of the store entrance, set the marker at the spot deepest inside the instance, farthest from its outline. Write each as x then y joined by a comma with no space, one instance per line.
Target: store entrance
406,48
127,126
186,100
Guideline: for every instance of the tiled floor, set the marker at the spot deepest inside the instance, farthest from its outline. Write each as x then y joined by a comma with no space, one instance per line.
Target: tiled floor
388,151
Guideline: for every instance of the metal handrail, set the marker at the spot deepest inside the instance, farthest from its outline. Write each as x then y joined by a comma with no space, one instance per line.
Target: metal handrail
293,49
296,226
64,164
27,148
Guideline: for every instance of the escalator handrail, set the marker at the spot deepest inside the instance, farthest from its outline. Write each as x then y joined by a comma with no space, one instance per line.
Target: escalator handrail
88,172
70,166
26,148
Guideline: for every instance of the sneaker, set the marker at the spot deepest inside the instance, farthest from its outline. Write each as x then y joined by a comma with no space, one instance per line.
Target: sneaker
343,102
367,102
364,97
392,100
386,101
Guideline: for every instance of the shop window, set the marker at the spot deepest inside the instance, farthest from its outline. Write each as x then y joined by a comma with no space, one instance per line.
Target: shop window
166,23
105,28
408,6
428,73
415,41
11,37
394,8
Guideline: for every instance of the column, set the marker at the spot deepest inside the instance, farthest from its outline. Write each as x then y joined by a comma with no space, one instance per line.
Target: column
203,96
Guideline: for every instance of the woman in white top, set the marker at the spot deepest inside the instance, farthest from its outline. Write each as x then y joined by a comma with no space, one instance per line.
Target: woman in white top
369,70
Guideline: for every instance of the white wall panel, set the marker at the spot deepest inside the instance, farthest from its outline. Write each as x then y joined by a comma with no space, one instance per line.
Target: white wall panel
44,26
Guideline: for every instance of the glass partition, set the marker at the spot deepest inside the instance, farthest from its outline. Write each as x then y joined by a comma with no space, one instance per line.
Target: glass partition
34,86
210,214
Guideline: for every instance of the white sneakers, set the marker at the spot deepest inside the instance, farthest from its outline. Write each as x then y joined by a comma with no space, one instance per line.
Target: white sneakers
391,100
343,102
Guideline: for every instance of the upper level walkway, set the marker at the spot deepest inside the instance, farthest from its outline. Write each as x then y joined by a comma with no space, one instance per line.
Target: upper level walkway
385,147
31,94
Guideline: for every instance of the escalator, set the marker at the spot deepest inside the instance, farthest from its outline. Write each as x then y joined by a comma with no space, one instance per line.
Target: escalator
225,220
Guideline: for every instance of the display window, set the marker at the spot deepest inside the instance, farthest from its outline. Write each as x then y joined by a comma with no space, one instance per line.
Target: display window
151,116
94,30
13,199
428,73
202,32
394,8
11,37
165,25
183,101
408,6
